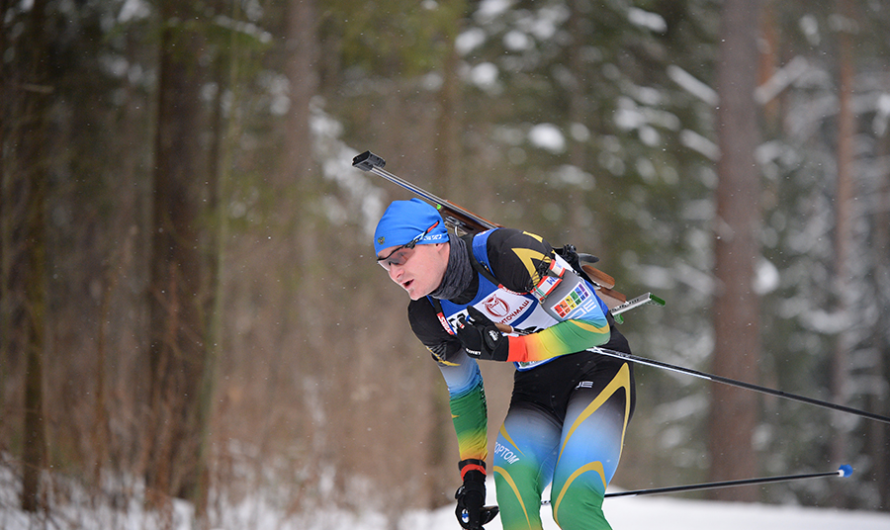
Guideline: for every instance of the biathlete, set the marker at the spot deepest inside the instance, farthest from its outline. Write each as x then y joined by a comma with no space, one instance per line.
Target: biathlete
570,407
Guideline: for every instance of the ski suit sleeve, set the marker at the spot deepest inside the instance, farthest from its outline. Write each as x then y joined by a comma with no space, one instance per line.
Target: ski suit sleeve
466,398
466,393
518,260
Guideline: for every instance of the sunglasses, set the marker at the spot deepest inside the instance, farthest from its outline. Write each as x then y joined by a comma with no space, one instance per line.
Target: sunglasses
401,254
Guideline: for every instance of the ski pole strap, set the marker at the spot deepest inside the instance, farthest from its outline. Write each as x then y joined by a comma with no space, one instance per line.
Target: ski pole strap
471,464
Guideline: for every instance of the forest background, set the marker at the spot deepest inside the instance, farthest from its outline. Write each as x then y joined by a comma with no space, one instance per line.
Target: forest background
189,302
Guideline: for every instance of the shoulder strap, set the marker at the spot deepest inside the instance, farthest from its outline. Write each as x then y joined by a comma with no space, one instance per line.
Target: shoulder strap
479,245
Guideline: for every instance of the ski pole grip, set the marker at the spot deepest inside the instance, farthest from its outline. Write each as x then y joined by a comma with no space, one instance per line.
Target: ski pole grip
368,161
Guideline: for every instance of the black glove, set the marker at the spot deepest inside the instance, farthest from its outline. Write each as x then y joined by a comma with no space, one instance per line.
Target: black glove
481,337
470,512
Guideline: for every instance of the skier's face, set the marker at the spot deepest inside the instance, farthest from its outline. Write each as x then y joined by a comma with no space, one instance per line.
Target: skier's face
418,270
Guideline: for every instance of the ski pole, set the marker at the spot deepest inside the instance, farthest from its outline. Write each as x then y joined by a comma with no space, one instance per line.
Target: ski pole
504,328
740,384
843,471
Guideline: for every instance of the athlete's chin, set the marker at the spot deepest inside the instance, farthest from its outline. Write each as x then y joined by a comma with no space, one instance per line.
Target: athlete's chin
414,293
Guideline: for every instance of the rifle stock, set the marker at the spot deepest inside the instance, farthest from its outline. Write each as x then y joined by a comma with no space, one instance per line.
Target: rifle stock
463,220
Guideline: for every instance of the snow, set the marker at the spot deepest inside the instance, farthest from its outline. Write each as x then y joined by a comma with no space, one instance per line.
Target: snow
547,136
516,41
484,75
672,514
643,512
697,142
134,10
767,277
883,112
489,9
646,19
469,40
781,80
692,85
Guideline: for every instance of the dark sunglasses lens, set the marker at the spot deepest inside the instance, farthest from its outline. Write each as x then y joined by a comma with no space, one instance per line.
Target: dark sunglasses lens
397,257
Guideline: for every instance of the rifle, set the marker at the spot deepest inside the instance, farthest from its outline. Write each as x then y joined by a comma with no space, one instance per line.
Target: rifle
463,221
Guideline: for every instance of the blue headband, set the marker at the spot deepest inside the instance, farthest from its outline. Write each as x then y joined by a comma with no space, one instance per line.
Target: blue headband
405,220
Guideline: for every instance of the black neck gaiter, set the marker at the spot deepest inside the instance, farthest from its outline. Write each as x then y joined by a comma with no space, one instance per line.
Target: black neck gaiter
459,273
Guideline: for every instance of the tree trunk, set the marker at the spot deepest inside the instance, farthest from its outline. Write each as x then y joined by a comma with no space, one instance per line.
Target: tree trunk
296,186
213,264
5,328
448,145
177,347
734,412
299,177
31,177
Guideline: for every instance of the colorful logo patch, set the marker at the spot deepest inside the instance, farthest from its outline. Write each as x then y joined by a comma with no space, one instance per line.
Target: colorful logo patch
571,301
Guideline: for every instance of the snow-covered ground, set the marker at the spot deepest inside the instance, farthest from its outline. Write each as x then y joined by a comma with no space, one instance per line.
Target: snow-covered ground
624,513
666,513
